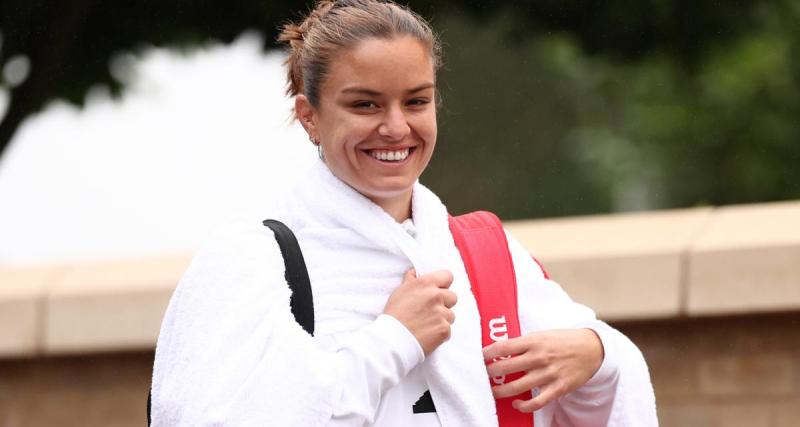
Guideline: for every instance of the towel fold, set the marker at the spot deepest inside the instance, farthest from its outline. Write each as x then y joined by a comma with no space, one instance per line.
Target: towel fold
363,253
230,352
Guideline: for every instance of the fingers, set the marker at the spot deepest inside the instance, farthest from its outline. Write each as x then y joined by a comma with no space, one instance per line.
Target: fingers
450,316
546,395
522,384
449,298
508,347
557,362
440,278
520,363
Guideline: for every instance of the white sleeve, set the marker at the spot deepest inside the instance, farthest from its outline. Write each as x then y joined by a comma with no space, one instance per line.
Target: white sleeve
620,392
231,354
371,370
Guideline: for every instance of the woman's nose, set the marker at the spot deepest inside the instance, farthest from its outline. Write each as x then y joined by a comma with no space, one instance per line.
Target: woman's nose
394,126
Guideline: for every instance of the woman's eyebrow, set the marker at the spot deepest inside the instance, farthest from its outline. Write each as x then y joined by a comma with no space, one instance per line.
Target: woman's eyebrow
370,92
421,87
361,91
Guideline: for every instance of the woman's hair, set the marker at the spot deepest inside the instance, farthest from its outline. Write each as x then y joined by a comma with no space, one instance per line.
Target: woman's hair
334,25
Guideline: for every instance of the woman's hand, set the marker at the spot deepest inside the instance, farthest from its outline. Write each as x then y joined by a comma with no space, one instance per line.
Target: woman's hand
556,361
423,305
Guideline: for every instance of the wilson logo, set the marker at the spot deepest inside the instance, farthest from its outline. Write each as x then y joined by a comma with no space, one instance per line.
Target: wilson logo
498,331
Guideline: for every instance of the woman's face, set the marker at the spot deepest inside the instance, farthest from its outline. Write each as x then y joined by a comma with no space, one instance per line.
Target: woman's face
376,121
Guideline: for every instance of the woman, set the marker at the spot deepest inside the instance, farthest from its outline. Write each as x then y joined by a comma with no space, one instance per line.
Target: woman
396,323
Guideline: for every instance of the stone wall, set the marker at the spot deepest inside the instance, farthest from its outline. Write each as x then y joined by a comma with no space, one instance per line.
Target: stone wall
710,372
108,390
724,372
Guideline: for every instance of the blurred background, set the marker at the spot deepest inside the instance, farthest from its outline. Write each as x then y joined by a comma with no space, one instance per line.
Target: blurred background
130,129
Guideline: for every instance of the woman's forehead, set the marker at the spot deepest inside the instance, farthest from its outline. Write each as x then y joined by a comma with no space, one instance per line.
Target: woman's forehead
400,62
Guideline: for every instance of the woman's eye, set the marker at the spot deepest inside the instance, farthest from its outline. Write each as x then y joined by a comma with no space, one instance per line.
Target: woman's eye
418,102
364,104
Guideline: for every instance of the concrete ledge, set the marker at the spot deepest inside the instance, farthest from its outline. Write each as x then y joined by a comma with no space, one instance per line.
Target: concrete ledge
626,266
85,307
110,306
642,266
747,260
21,296
624,287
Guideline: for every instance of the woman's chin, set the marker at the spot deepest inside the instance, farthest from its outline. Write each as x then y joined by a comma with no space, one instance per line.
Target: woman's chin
388,189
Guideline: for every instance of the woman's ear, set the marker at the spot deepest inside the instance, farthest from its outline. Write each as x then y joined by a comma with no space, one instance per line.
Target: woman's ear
304,112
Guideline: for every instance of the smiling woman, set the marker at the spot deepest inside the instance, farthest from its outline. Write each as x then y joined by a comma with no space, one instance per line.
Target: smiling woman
387,280
376,119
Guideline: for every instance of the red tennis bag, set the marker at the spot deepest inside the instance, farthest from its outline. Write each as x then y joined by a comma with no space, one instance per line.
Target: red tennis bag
481,240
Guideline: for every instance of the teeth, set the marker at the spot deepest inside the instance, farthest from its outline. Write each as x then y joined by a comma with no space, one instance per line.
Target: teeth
391,156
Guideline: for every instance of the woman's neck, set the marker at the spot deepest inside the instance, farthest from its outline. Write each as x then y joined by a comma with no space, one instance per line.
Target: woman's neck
398,208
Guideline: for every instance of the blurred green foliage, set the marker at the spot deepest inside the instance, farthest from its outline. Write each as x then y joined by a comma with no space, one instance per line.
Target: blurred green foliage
551,107
538,127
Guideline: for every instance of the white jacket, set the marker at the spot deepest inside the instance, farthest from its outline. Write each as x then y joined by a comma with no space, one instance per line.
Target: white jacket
230,352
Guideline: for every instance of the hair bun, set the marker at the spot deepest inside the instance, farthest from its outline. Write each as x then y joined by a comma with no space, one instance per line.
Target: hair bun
291,33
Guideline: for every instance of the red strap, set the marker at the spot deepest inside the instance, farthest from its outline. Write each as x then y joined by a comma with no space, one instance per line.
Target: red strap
546,276
481,240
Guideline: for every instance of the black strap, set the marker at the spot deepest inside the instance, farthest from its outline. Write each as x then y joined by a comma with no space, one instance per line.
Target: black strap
302,300
149,401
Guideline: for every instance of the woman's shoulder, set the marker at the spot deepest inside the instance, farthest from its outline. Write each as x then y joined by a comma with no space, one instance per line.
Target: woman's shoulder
244,230
241,246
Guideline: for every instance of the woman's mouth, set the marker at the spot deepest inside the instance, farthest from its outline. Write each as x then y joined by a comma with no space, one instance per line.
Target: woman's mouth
391,156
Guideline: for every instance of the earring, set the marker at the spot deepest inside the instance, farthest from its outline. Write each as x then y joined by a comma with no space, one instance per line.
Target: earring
319,147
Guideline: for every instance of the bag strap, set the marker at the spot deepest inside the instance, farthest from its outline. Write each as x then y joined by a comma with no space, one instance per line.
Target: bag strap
301,301
481,240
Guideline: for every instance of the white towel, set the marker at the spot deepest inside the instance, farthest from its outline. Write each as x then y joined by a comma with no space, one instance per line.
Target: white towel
331,217
231,353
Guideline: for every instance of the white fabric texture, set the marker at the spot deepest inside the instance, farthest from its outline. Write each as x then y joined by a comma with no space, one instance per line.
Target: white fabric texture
397,404
230,352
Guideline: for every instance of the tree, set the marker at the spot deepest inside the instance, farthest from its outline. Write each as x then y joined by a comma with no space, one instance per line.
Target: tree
552,107
69,44
543,128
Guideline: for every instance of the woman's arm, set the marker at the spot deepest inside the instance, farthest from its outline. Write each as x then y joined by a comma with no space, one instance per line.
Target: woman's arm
231,353
588,373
